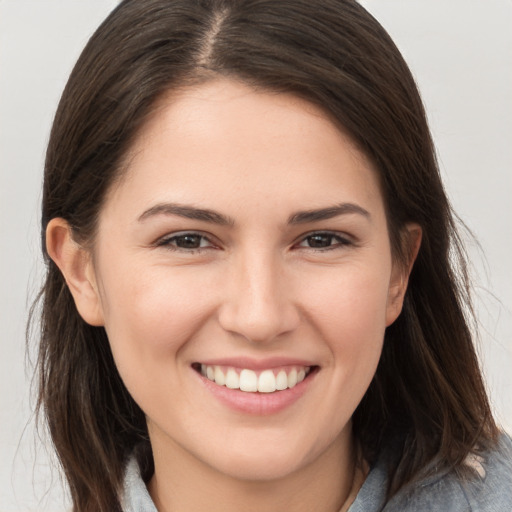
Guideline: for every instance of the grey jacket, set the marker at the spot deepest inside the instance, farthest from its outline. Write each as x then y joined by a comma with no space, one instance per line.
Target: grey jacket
489,491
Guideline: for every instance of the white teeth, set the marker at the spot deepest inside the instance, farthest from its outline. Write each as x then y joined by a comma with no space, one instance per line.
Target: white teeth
232,379
292,378
248,380
219,376
267,382
281,380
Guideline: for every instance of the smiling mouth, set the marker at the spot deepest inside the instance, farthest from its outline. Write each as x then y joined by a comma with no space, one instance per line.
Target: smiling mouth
250,381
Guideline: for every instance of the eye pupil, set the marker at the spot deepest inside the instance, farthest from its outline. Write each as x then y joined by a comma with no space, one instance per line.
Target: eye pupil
188,241
320,240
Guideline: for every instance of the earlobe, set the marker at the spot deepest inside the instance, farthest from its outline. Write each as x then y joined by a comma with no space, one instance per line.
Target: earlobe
76,266
401,272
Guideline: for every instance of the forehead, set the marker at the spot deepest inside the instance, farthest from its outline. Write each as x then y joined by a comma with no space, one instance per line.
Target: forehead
224,141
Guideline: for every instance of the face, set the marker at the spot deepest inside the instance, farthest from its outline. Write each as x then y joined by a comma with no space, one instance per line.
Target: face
245,279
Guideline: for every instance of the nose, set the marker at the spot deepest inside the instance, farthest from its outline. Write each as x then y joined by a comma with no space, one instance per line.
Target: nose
258,301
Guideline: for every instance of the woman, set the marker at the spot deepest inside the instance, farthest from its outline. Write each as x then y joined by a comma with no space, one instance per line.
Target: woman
249,285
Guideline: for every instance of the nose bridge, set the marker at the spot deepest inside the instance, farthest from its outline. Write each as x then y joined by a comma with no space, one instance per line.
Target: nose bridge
258,305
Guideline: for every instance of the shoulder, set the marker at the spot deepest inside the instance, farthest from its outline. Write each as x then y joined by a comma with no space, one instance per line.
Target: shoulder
489,489
135,496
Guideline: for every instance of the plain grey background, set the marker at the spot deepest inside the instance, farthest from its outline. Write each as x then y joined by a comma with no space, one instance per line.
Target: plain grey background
461,54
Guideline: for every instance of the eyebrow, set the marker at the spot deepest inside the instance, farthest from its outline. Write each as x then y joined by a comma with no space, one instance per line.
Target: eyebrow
206,215
188,212
328,213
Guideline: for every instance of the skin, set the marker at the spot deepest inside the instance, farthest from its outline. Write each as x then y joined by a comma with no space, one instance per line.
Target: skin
256,288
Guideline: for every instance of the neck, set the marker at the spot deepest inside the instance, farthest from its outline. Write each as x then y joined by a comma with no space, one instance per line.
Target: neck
182,483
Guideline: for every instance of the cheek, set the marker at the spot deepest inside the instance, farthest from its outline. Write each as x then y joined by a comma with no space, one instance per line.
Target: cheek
150,316
350,305
349,313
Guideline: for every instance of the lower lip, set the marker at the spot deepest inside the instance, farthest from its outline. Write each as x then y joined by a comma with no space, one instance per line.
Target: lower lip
262,404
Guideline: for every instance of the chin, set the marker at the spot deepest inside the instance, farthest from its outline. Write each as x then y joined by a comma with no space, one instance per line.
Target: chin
261,460
259,468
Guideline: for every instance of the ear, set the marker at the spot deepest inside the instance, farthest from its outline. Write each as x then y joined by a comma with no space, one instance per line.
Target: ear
401,271
75,263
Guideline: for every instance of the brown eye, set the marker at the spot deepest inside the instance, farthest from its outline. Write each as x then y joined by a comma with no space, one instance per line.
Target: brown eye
185,242
188,241
323,241
318,241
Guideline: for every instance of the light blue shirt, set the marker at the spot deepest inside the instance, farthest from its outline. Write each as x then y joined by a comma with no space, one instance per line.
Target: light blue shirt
489,491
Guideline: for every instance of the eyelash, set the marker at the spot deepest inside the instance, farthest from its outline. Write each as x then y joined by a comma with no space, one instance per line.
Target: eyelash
168,242
328,236
340,240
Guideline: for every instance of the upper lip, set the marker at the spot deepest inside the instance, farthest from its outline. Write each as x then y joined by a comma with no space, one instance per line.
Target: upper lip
256,364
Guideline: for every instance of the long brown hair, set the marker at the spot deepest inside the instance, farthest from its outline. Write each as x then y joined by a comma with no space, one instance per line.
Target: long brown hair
427,395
